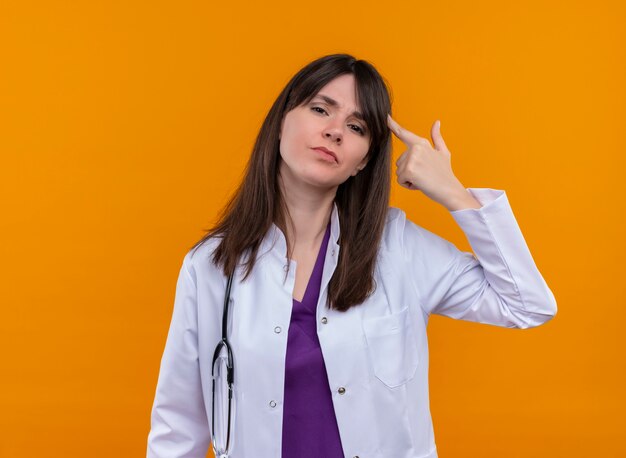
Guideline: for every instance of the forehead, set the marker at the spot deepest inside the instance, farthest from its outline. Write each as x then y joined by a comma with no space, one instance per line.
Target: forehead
340,93
342,90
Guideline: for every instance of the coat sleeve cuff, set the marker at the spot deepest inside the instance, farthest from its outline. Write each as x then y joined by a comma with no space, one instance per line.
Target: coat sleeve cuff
498,243
485,196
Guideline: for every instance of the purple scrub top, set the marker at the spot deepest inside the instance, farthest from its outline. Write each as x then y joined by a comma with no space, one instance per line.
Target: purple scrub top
309,424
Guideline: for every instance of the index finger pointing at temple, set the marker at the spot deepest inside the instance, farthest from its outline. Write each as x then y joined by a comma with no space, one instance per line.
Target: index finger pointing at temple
403,134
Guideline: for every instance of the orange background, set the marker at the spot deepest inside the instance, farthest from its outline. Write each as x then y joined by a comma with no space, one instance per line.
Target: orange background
124,127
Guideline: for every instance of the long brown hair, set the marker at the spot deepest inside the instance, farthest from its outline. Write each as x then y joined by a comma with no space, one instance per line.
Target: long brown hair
362,200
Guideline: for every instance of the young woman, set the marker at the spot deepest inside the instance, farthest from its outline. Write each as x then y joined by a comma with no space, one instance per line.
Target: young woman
332,288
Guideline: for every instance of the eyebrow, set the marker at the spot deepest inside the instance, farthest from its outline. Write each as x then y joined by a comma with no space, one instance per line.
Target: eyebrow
334,103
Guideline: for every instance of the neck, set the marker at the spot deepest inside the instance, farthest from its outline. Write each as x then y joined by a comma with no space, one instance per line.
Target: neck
310,209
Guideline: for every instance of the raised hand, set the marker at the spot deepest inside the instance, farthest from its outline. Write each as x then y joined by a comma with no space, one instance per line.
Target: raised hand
429,169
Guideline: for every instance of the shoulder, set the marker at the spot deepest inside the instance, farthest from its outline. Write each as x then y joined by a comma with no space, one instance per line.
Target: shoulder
402,235
198,260
394,228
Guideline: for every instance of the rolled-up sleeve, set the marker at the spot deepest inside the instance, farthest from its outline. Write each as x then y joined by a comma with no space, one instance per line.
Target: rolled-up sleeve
179,423
498,284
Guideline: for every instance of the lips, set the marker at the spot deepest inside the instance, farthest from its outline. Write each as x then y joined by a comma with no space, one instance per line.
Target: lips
327,151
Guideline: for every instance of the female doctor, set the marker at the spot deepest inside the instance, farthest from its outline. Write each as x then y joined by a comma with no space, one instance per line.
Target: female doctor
332,288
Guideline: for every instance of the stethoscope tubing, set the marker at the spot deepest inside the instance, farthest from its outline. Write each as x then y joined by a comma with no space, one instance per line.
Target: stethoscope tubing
230,370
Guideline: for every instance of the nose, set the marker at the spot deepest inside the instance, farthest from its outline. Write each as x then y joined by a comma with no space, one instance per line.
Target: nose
333,133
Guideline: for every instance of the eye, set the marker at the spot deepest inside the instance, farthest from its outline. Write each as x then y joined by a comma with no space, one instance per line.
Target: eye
358,129
320,108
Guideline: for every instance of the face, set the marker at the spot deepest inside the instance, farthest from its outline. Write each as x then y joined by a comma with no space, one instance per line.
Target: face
319,123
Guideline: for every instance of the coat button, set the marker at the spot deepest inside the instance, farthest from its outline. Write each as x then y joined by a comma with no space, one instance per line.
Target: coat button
272,404
332,252
286,267
324,320
277,329
341,390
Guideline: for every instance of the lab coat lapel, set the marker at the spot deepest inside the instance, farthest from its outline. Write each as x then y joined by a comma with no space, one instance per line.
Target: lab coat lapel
330,261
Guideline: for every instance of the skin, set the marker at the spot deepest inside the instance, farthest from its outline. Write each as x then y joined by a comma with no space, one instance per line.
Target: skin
429,169
309,183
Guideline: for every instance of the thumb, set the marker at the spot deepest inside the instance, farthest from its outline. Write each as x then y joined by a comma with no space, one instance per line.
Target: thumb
435,133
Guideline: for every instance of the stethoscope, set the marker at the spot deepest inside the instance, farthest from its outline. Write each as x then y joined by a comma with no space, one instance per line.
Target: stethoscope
230,377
